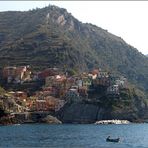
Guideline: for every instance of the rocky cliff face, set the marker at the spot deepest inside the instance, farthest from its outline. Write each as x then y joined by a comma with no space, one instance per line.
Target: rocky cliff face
90,113
126,107
79,113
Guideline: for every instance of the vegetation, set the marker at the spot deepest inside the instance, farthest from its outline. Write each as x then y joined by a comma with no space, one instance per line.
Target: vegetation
52,37
2,91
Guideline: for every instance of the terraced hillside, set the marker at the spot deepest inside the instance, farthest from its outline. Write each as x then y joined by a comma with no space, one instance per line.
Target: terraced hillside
51,36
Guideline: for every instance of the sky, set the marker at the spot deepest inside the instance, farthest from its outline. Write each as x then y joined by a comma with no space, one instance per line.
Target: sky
126,19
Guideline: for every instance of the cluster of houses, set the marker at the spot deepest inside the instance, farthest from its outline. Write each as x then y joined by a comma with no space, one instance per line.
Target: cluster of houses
17,74
59,87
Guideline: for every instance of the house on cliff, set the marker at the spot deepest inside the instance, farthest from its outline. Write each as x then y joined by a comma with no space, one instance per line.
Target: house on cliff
113,90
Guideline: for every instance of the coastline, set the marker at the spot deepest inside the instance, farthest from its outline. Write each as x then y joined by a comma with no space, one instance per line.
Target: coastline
53,120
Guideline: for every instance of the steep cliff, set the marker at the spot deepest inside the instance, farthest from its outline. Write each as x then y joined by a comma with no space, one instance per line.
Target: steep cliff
130,106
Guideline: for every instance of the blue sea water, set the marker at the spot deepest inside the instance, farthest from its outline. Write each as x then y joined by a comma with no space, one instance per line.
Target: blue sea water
73,136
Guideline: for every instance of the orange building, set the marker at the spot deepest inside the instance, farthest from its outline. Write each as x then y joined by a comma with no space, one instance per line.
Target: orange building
48,104
19,94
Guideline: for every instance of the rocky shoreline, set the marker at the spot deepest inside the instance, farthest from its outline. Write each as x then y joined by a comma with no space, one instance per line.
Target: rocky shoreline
76,113
4,121
12,120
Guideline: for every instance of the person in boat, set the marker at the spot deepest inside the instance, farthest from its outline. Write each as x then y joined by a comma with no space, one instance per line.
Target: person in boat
108,139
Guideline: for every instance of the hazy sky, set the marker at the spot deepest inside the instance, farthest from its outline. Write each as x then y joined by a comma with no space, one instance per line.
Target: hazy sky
127,19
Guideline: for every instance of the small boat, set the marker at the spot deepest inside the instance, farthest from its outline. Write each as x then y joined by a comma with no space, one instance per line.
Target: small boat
108,139
17,124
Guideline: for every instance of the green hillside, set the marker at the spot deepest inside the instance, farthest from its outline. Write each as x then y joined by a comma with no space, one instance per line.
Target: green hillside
51,36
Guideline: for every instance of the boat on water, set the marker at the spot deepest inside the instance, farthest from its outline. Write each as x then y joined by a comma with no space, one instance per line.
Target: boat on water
108,139
17,124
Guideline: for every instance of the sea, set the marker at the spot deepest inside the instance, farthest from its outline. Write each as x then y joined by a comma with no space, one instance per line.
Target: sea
73,136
